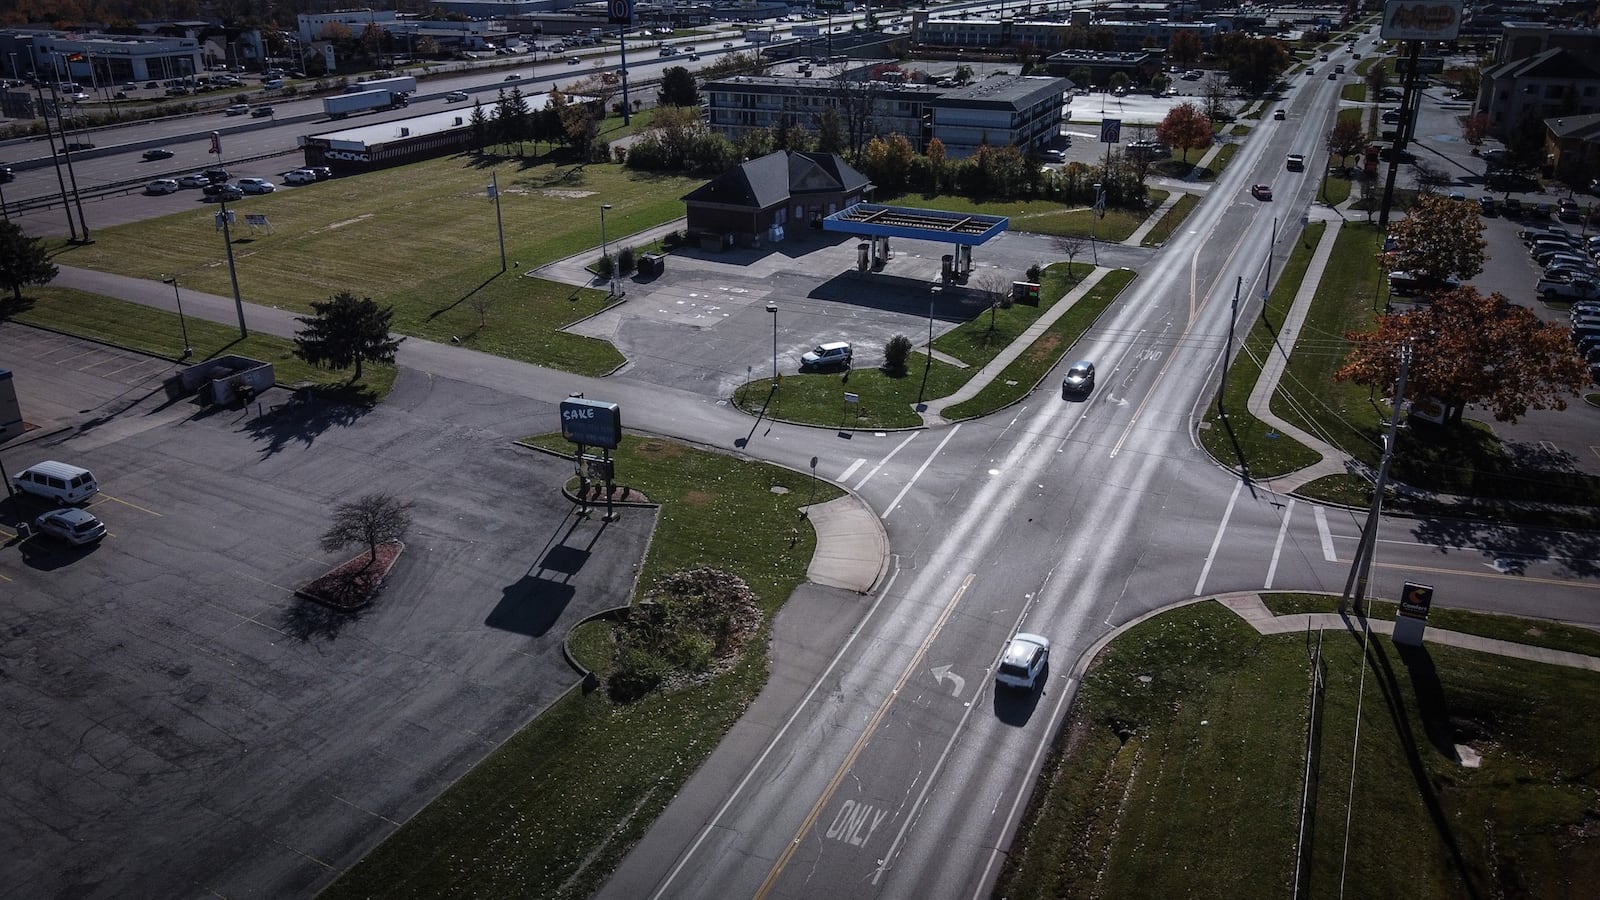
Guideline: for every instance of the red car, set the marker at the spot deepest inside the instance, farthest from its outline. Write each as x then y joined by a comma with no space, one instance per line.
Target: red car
1261,191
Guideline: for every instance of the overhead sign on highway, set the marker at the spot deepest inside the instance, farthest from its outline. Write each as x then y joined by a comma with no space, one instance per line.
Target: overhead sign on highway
1421,20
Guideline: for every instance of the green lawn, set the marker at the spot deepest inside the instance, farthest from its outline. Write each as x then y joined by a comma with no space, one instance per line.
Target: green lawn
1180,772
1241,440
157,332
553,810
1335,188
885,401
1517,630
422,238
1219,162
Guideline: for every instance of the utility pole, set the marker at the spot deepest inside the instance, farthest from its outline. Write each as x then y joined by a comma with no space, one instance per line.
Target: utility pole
1355,586
1402,130
50,137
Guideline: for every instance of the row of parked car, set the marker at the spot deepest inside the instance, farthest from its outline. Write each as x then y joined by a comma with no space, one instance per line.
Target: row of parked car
62,485
1586,334
218,184
1568,260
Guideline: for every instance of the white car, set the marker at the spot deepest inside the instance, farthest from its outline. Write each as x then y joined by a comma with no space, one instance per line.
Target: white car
1024,660
299,176
833,353
237,109
1553,289
194,180
162,186
73,525
256,186
455,96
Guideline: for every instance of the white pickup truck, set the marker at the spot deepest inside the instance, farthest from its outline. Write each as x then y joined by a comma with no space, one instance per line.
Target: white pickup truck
1559,289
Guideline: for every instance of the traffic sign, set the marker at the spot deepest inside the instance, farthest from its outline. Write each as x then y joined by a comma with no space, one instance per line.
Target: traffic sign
621,12
1110,131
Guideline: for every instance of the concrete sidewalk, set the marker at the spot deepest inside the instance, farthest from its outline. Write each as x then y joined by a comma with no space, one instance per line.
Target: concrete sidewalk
1251,608
852,547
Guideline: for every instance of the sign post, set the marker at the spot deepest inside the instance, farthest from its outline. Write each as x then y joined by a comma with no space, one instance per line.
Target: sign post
620,14
592,423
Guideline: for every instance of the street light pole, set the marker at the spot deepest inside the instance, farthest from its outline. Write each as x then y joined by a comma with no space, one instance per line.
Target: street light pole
772,307
605,250
1094,214
188,351
927,365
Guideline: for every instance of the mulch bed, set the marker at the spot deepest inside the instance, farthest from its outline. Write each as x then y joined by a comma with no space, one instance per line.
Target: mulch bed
620,493
354,584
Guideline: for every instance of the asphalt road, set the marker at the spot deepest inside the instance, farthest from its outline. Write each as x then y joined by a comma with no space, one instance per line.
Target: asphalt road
897,771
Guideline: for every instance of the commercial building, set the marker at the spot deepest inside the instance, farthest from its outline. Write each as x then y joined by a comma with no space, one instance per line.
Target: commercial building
1005,109
759,199
96,60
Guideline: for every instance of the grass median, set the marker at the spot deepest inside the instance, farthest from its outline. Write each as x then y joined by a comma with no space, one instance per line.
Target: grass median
1517,630
1180,771
552,811
1171,221
1241,440
1041,216
159,333
423,238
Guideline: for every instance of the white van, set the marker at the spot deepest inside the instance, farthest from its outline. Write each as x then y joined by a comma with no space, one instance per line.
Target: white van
56,481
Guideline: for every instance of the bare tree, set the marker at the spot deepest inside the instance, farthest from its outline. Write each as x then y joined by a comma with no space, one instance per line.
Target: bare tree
372,519
480,302
1430,178
995,286
1369,192
1215,92
856,100
1069,245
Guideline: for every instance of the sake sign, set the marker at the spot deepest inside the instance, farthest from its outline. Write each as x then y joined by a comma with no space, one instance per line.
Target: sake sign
591,423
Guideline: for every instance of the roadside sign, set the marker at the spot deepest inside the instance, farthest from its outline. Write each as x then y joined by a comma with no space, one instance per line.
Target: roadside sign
621,12
1111,131
591,423
1426,65
848,398
1416,600
1421,20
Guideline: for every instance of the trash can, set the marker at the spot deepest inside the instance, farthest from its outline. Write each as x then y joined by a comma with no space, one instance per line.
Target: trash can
947,266
652,265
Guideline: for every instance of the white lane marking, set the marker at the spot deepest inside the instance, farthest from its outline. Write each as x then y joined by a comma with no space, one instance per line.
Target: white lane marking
920,469
882,462
1277,546
1327,537
1222,526
845,475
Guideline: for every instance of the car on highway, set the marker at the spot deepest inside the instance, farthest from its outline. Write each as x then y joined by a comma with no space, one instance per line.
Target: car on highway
573,61
237,109
455,96
300,176
727,45
1079,380
73,525
157,153
514,77
162,186
832,353
217,193
193,180
1022,662
1295,162
1279,115
256,186
261,112
6,175
1261,191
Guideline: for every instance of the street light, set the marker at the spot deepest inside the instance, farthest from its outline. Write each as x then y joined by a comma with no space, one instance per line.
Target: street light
605,252
772,307
927,364
188,351
1094,214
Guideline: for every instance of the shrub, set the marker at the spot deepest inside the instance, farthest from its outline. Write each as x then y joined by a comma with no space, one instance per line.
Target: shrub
626,260
1034,271
895,354
672,240
605,267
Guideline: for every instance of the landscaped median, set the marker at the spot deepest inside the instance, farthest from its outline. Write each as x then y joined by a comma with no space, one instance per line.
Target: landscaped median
1181,768
889,401
552,811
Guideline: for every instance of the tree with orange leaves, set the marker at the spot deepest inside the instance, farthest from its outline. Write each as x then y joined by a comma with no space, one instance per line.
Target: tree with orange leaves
1471,349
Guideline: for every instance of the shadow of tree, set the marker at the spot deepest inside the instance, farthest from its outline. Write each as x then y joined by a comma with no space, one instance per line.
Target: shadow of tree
1511,548
300,423
305,620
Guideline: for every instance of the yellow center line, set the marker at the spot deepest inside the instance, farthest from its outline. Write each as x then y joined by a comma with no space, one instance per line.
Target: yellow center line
861,742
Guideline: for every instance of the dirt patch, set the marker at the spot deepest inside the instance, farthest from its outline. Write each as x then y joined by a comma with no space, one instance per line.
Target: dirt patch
1048,346
660,449
563,194
699,498
332,225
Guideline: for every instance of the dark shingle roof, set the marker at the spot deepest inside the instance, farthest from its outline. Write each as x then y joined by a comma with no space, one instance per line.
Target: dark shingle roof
770,180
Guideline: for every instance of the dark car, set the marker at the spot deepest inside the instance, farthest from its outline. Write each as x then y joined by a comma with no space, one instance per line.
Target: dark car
1488,206
6,175
1540,211
1512,207
323,173
1079,379
218,193
217,176
261,112
75,146
157,153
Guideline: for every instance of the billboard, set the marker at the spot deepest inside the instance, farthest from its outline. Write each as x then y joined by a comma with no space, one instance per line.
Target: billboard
1421,20
1416,599
591,423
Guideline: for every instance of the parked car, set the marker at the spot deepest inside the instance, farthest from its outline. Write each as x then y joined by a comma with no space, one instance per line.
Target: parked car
299,176
193,180
1022,662
323,173
73,525
261,112
237,109
1512,207
1079,379
217,176
162,186
1053,154
1553,289
1540,211
60,483
157,153
1488,206
1261,191
256,186
455,96
217,193
833,353
1390,117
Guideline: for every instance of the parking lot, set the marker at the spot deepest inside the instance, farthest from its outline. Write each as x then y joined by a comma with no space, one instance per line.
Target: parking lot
179,723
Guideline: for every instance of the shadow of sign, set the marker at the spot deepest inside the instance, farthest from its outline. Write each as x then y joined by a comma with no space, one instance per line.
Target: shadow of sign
531,606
